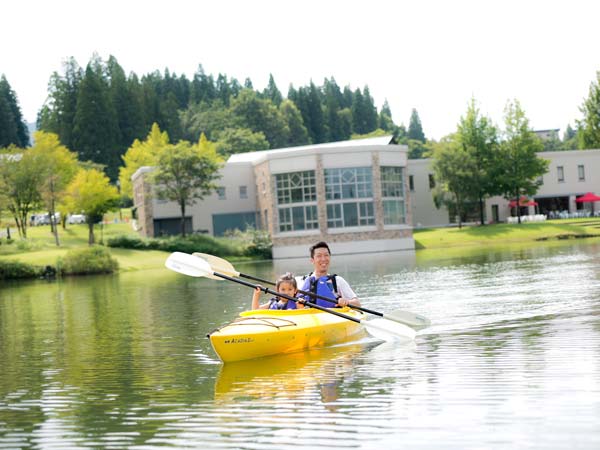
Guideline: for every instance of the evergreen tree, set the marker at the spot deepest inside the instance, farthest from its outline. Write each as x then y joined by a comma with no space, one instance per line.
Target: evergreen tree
95,135
384,120
127,105
315,124
223,89
358,113
13,130
370,111
202,87
335,126
272,92
58,113
248,84
415,130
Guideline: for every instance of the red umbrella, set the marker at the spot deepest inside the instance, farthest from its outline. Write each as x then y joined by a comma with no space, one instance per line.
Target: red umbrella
590,197
523,201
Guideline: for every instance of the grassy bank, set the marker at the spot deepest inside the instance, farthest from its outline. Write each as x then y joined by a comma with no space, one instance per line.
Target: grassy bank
503,234
40,248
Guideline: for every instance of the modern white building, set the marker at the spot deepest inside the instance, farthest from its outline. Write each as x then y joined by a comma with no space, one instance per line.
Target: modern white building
351,194
360,196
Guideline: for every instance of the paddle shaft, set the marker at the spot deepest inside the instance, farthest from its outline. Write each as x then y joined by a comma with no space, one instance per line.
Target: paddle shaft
279,294
320,297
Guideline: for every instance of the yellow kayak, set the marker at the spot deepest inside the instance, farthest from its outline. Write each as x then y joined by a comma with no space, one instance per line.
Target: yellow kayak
264,332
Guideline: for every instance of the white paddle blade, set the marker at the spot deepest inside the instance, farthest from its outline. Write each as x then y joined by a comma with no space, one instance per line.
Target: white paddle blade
218,265
408,318
188,265
389,331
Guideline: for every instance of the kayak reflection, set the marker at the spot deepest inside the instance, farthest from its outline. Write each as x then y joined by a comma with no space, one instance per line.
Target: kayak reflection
292,375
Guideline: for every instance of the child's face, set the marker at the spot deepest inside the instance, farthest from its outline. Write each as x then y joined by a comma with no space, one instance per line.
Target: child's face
287,288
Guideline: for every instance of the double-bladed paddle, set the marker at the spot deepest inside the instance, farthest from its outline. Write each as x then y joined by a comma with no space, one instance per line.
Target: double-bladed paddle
197,267
406,317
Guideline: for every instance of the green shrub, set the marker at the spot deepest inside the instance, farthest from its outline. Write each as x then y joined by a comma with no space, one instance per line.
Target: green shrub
190,244
12,270
90,260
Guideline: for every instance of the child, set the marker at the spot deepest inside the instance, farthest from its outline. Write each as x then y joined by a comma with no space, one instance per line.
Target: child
286,284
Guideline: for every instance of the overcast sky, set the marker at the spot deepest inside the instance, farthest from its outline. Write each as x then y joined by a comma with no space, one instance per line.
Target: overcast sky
432,55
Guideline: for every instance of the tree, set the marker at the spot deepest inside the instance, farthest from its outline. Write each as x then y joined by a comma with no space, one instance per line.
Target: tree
453,167
589,126
186,173
95,136
384,120
272,93
91,193
21,176
58,112
13,129
141,153
260,115
415,130
240,140
517,162
298,132
479,139
57,165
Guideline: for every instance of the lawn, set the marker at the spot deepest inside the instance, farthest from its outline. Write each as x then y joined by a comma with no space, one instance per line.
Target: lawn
40,247
502,234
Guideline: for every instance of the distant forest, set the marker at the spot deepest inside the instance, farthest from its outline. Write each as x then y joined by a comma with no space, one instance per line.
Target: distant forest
99,111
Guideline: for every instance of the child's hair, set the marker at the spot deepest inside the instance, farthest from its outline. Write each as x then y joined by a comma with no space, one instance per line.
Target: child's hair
286,278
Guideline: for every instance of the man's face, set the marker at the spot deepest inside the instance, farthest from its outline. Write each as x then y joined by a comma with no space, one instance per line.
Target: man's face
321,260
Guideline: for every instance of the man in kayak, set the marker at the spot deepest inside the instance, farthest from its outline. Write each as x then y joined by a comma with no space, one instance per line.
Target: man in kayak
322,283
286,284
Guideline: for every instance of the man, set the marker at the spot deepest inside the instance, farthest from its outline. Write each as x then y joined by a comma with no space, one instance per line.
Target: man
322,283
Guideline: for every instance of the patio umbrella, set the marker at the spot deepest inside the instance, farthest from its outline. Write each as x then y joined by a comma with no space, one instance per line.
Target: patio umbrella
589,197
523,201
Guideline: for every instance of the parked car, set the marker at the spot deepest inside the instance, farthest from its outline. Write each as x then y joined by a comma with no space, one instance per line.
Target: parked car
76,218
43,219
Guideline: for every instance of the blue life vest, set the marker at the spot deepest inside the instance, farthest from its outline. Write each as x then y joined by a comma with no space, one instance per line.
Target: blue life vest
274,304
324,286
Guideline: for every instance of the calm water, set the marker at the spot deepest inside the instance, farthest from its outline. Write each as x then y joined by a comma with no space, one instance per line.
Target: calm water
512,360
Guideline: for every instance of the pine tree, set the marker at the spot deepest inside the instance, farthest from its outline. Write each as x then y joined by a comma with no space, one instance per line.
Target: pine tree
13,129
95,131
370,111
272,92
58,113
415,130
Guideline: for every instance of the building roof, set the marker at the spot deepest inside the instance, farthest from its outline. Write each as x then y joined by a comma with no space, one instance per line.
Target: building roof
261,155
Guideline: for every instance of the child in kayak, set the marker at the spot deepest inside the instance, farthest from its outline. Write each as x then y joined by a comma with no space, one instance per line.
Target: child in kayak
286,284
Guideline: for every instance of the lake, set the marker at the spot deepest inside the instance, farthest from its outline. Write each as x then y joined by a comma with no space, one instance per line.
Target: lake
512,359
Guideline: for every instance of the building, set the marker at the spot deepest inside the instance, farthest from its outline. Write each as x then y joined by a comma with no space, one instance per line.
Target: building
351,194
570,175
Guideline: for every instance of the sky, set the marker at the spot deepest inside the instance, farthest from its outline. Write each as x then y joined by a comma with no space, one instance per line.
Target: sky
430,55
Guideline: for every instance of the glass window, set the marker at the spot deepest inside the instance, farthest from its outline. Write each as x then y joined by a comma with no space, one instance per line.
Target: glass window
296,187
343,187
411,183
392,182
560,174
581,172
221,193
392,193
393,212
348,183
243,192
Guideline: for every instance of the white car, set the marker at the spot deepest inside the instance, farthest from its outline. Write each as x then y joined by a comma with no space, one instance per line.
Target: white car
76,218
